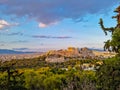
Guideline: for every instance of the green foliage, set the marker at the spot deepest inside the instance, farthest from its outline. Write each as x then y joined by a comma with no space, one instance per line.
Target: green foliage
3,81
108,75
40,75
16,81
114,43
11,79
46,78
71,77
39,63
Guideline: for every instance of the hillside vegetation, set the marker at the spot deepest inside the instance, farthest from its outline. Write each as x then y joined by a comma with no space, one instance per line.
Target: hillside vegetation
36,74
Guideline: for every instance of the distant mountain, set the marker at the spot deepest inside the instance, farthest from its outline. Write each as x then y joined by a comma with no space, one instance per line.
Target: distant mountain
7,51
95,49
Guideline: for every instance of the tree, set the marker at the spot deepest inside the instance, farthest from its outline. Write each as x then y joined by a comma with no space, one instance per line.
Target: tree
14,80
114,43
108,75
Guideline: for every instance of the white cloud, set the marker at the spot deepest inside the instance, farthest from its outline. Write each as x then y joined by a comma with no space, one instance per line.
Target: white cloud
3,24
42,25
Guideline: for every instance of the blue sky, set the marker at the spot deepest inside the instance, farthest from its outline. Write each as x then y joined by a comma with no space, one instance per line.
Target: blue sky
40,25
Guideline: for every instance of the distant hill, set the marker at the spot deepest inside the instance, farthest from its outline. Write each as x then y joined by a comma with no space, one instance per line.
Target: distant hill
95,49
7,51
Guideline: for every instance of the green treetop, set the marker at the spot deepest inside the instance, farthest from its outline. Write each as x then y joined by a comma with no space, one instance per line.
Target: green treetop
114,43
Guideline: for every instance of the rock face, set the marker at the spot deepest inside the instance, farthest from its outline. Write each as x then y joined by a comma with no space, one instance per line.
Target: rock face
71,52
55,59
87,53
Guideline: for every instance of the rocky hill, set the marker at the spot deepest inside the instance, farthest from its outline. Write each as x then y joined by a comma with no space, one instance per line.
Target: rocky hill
76,53
70,52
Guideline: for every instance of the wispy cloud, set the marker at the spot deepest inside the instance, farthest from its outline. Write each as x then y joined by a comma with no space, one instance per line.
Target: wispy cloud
2,41
2,44
15,33
4,24
62,37
51,37
19,41
44,25
47,12
20,49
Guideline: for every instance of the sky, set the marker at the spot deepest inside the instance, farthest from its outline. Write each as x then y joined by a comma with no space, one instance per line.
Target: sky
41,25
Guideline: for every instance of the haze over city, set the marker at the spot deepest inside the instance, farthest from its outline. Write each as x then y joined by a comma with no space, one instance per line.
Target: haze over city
40,25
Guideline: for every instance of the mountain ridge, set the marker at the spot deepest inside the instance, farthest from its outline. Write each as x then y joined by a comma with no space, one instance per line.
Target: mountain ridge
8,51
